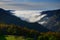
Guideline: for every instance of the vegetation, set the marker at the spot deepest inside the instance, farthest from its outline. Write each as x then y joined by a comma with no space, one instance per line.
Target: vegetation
14,32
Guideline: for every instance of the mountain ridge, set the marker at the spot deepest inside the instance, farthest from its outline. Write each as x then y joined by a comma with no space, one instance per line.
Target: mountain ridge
7,18
54,18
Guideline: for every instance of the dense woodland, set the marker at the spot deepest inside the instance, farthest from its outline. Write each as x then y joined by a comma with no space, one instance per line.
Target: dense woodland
28,34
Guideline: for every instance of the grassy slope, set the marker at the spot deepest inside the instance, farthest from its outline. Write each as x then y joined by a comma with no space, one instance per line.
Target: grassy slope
42,36
11,37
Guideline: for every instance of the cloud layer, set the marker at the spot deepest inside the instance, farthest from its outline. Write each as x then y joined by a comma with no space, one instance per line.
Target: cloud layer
28,5
30,16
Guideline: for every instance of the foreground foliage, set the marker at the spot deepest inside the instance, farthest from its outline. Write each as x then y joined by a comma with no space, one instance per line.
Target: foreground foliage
13,32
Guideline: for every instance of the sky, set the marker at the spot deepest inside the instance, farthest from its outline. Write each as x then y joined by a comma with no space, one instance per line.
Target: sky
30,4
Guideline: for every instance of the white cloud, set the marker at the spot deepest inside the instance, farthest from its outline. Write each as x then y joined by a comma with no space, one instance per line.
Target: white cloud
42,22
29,16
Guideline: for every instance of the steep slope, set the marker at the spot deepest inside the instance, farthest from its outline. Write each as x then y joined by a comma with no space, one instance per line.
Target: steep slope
53,20
7,17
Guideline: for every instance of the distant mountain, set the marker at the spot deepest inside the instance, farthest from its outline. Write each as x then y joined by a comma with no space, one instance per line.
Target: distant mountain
53,20
7,17
51,12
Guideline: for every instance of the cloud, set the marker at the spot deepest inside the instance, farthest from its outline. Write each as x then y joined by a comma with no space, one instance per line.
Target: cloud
6,0
28,5
29,16
1,3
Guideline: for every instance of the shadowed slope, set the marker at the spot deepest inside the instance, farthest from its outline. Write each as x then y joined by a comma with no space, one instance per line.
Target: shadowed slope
8,18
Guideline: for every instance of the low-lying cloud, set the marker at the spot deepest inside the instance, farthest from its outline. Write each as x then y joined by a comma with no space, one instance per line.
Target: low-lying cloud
30,16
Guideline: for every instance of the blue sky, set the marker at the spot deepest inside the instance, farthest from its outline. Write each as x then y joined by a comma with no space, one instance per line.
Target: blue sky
30,4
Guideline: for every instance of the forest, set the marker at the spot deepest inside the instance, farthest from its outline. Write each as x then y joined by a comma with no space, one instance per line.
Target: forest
14,32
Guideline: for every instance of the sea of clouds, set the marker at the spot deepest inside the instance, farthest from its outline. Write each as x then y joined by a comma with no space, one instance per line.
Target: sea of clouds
30,16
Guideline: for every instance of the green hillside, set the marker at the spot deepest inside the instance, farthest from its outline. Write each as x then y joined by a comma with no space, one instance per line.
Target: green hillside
13,32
